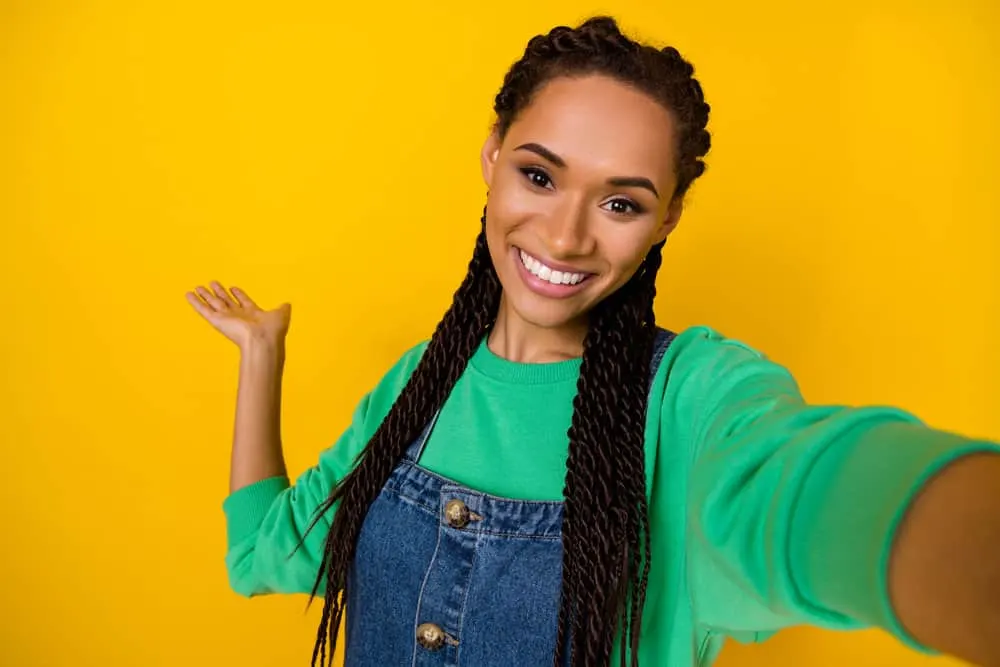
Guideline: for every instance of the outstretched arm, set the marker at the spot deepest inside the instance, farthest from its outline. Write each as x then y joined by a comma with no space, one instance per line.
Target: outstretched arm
944,572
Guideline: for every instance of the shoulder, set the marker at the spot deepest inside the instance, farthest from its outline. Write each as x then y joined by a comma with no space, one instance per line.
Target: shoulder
396,377
703,366
701,348
702,341
381,397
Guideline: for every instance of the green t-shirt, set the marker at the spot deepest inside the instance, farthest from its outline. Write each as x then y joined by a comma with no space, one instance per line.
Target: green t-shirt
765,511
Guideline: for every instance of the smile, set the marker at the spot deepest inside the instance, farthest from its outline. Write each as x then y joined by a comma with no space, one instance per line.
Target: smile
543,272
544,280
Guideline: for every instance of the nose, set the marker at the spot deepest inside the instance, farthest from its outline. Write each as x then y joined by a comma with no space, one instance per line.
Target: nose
568,232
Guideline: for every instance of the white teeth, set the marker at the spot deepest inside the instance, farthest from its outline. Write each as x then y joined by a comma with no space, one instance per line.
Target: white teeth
545,273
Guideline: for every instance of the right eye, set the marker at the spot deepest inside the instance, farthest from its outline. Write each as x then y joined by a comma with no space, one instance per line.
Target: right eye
537,177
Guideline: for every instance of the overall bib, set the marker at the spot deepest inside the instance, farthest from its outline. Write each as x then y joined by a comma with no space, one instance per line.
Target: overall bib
444,575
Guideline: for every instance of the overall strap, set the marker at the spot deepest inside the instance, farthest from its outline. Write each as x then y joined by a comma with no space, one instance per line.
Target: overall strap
662,341
416,448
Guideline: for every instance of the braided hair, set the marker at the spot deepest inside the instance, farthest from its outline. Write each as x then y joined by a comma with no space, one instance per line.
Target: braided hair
605,530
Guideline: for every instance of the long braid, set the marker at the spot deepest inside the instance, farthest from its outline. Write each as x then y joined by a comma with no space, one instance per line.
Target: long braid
605,535
457,336
633,463
605,526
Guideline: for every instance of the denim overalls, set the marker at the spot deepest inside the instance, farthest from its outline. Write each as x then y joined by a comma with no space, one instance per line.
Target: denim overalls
444,575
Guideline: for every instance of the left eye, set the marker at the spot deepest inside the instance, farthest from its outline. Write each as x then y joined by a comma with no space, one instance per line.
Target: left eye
537,177
623,207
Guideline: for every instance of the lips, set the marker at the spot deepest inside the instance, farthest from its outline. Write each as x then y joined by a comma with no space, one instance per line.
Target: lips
543,271
545,280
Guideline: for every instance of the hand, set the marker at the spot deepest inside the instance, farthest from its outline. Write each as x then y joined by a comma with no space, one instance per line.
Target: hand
238,318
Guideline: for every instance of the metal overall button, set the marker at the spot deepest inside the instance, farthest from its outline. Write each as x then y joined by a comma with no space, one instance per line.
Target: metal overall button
432,637
456,513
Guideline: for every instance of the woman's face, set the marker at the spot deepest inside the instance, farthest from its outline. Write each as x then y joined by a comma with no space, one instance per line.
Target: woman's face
579,190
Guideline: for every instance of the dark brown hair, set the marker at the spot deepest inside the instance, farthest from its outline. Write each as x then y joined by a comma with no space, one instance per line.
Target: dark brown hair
605,530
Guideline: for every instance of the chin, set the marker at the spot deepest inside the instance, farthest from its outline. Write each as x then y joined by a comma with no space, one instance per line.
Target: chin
544,313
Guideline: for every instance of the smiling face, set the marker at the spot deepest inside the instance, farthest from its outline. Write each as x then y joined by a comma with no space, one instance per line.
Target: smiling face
580,189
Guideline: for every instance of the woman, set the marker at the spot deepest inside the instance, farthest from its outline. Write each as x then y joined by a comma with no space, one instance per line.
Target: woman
552,479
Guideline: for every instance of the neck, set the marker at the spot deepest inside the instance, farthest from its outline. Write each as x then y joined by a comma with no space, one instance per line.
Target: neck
517,340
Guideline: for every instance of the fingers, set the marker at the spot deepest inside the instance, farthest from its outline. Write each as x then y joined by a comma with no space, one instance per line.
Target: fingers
203,309
242,298
219,300
217,304
222,294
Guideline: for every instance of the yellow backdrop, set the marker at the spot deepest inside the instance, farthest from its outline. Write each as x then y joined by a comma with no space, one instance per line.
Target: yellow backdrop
326,154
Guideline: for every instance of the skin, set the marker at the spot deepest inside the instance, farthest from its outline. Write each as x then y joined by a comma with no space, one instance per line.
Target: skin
259,335
586,133
944,571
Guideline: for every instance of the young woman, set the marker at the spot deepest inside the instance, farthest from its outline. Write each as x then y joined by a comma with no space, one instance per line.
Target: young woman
553,479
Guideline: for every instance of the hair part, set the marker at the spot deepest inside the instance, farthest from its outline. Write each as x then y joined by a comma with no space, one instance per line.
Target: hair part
605,531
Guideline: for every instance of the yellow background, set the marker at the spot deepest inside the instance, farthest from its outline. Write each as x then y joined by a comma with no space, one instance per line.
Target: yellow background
326,154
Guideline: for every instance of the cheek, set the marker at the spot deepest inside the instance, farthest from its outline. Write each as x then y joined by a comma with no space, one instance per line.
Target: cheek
497,230
513,203
625,250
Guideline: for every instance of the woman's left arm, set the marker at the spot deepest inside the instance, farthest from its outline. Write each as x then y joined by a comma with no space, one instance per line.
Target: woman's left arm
833,516
944,567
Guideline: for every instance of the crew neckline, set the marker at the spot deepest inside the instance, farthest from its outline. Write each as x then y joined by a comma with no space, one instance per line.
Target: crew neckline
485,361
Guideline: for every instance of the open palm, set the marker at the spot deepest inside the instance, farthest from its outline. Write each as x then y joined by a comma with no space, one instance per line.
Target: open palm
234,314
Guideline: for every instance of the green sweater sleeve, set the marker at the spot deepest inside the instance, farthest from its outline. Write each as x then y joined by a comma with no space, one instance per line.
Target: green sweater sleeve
266,521
792,508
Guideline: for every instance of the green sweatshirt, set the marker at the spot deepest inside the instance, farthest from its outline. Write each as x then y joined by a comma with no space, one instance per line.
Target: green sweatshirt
765,511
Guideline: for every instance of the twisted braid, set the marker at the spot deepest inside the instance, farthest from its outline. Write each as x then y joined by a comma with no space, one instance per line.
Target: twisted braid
606,552
606,523
470,317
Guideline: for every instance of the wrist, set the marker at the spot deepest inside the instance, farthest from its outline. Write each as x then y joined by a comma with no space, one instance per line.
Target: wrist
259,350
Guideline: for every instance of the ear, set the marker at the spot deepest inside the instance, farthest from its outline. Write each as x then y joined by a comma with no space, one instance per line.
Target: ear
670,221
488,157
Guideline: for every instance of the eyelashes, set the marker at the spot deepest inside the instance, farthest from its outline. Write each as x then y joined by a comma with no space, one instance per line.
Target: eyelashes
629,206
536,177
620,206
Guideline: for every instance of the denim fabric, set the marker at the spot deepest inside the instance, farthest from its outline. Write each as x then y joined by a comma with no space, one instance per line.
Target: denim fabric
492,585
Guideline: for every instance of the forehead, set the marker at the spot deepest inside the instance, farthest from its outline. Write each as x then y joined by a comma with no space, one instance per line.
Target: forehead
598,123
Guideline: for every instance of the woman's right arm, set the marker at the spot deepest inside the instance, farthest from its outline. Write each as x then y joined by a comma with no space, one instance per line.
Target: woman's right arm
267,519
260,336
266,516
257,451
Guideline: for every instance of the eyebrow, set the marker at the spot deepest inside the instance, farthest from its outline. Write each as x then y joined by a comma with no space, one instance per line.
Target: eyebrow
634,182
617,181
